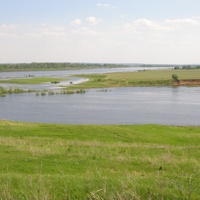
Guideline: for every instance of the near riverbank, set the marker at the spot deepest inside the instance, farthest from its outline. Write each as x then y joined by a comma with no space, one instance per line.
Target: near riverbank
48,161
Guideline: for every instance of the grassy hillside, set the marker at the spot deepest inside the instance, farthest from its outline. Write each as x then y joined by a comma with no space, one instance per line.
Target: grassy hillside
48,161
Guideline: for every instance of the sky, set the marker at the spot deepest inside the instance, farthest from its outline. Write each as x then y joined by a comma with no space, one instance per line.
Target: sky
100,31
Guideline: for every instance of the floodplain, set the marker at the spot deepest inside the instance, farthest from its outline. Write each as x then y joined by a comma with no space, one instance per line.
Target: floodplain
140,78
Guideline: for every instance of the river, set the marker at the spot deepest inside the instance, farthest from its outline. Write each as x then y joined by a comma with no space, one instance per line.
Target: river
131,105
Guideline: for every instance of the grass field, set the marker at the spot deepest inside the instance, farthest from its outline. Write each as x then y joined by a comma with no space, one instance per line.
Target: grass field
36,80
120,79
51,161
142,78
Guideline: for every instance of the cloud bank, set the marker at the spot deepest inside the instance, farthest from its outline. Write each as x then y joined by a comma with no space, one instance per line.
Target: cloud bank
88,40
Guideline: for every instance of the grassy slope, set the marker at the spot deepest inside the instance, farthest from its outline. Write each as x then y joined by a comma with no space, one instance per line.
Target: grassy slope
37,80
47,161
143,78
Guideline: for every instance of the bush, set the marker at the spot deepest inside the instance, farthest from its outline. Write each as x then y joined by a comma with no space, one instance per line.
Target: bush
55,82
175,77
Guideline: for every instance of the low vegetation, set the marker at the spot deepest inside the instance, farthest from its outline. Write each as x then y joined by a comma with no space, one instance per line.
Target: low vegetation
119,79
35,80
35,66
122,79
140,78
60,92
54,66
4,91
175,77
51,161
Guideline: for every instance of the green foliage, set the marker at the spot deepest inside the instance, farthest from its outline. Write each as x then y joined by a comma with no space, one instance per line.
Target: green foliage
51,92
75,66
188,67
43,93
55,82
35,80
175,77
51,161
80,91
4,91
53,66
68,91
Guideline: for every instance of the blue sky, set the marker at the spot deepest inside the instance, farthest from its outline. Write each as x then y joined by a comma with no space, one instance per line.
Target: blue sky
120,31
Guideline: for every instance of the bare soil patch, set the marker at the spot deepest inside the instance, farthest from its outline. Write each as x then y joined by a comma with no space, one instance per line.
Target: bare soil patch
192,82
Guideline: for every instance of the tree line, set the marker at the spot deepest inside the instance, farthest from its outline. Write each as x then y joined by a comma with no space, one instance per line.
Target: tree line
53,66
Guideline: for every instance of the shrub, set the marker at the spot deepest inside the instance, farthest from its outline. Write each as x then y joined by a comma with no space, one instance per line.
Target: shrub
55,82
175,77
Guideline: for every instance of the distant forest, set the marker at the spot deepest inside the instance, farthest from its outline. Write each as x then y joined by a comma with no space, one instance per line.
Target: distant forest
53,66
75,66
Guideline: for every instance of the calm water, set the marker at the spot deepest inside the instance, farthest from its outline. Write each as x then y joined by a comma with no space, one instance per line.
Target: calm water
162,105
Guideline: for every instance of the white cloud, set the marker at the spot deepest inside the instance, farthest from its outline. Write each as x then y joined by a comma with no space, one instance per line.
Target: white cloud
92,20
8,27
150,25
28,31
142,40
105,5
182,22
12,30
77,22
87,31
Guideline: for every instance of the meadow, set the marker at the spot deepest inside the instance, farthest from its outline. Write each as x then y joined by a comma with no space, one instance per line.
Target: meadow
140,78
118,79
35,80
52,161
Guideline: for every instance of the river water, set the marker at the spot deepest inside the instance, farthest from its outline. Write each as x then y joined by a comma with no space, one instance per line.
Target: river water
131,105
135,105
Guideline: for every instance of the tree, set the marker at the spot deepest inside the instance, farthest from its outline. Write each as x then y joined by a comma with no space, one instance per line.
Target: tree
175,77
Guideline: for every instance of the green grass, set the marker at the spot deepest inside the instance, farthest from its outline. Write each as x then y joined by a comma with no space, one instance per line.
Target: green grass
122,79
36,80
51,161
142,78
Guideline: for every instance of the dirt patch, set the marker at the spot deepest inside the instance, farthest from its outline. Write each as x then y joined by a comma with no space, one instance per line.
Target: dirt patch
192,82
